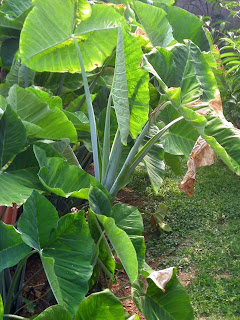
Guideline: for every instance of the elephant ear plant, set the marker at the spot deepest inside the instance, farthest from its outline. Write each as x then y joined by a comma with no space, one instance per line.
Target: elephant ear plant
134,127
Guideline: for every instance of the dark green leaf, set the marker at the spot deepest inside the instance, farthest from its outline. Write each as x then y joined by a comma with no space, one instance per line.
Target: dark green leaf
127,218
105,254
155,166
165,297
12,247
122,245
12,136
67,260
63,179
9,48
98,202
32,223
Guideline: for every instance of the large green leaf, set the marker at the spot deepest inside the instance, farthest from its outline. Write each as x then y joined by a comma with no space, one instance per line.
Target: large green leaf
9,48
155,166
42,119
165,297
65,247
137,81
162,61
52,48
63,179
17,74
185,67
224,138
53,313
181,137
99,306
12,136
140,248
193,73
12,16
17,186
220,134
37,209
20,179
127,218
99,203
12,247
155,23
122,245
130,220
104,252
102,17
186,25
120,90
70,249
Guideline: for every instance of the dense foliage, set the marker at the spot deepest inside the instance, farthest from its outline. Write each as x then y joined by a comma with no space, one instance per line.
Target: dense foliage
119,81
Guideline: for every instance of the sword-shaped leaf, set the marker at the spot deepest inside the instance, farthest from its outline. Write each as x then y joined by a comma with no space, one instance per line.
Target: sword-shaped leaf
120,90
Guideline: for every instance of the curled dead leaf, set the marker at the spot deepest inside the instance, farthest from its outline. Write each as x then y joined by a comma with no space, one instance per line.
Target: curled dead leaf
202,155
162,277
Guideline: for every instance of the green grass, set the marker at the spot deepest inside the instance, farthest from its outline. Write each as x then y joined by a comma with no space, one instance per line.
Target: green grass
201,244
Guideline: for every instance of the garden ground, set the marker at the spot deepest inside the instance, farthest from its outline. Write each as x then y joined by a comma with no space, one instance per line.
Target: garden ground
204,243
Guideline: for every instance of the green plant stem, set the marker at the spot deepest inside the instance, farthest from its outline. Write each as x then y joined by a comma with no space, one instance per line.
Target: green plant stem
60,86
91,115
146,148
125,298
93,83
115,157
12,316
104,238
26,82
106,140
14,282
128,162
95,253
106,271
25,305
27,282
122,286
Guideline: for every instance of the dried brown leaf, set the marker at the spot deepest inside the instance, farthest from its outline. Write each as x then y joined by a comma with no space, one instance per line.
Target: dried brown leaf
202,155
161,277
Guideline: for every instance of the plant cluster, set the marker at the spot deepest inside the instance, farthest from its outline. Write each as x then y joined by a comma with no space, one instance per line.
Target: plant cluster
120,82
227,39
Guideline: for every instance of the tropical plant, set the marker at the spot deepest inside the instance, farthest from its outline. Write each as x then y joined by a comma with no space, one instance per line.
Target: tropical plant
81,41
230,55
